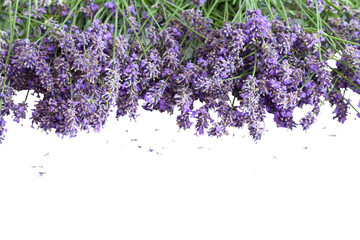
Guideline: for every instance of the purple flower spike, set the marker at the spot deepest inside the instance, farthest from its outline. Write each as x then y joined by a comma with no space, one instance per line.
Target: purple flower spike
198,3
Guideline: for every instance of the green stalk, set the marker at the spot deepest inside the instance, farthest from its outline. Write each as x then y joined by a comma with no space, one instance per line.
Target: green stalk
254,71
285,15
269,7
331,4
115,35
27,36
318,27
71,88
340,39
136,34
239,76
226,12
212,8
108,19
238,15
98,13
28,22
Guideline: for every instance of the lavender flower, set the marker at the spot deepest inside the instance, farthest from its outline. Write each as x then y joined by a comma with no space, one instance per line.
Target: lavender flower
218,130
183,121
202,119
7,104
341,106
198,3
319,4
3,130
20,111
310,118
111,6
198,23
251,107
257,26
154,94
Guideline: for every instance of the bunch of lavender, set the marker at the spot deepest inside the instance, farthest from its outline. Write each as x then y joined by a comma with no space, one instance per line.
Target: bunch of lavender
298,76
80,66
347,72
266,65
163,64
72,72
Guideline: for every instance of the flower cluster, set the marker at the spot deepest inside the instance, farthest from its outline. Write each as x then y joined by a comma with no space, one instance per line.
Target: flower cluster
198,3
7,92
347,72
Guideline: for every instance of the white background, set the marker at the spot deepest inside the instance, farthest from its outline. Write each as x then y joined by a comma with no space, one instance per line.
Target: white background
290,185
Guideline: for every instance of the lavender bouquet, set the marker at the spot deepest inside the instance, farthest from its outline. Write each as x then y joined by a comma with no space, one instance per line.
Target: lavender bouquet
241,60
